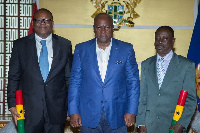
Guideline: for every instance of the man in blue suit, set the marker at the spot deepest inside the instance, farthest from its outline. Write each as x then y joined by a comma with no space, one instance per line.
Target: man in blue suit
104,84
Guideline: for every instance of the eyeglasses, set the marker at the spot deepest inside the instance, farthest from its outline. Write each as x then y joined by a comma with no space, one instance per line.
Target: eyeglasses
46,21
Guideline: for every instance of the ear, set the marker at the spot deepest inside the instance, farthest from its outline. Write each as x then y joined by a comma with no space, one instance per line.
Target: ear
52,23
173,41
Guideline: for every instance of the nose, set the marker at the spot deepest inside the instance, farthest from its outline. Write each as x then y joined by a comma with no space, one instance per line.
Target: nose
43,22
103,29
161,40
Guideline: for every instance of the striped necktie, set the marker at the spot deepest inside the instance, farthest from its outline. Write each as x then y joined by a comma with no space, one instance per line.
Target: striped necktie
160,71
43,60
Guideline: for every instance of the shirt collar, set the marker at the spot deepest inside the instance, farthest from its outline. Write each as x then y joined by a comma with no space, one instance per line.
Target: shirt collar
48,39
166,57
109,46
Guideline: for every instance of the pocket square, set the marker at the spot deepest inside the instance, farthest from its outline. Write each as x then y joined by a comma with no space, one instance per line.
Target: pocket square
118,62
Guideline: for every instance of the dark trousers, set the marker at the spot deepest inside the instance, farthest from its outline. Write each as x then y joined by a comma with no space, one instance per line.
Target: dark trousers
103,127
44,126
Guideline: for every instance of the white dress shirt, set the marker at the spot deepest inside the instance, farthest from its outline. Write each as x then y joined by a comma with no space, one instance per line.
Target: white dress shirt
103,58
49,45
167,59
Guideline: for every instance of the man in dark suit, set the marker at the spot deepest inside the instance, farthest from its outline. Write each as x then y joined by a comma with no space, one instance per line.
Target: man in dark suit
104,84
163,76
42,73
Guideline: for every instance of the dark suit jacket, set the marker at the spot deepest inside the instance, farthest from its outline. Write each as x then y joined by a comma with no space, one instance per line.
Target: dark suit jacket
24,74
156,107
119,93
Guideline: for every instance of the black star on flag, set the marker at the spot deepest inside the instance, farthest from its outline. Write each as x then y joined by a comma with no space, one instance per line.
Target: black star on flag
177,112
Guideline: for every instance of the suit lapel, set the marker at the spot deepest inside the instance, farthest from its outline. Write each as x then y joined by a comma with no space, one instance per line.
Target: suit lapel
55,62
92,50
153,72
112,58
32,47
171,71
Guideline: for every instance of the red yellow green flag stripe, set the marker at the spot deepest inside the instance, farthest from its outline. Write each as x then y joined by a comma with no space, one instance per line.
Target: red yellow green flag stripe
20,111
178,112
179,108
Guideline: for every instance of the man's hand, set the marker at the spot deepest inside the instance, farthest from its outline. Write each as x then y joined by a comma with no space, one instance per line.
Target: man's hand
14,113
68,118
75,120
129,119
142,129
177,128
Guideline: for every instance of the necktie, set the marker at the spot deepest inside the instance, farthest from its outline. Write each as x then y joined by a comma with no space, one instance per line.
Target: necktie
43,60
160,71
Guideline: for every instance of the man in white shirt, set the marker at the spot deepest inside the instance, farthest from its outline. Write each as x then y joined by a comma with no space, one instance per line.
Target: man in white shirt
104,84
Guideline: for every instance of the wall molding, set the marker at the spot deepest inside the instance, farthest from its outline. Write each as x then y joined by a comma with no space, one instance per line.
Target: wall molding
136,27
123,27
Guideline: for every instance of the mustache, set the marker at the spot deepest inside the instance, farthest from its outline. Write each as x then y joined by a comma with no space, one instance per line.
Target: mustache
159,45
104,35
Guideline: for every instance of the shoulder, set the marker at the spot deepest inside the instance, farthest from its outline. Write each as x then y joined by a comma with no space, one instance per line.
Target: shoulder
182,63
125,48
31,36
61,38
21,42
149,60
122,43
86,43
182,60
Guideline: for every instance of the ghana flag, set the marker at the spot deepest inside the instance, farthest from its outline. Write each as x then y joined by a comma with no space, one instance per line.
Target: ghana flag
179,108
20,111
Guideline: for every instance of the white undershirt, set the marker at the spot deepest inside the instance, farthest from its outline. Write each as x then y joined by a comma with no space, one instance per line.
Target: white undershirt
167,59
102,58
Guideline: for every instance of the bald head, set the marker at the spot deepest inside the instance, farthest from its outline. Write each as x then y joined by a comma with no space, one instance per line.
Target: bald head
103,16
42,10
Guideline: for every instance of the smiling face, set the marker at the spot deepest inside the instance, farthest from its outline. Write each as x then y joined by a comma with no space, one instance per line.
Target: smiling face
164,41
43,29
103,29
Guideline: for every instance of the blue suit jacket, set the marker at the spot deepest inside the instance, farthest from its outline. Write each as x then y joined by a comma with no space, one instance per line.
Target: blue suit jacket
119,93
